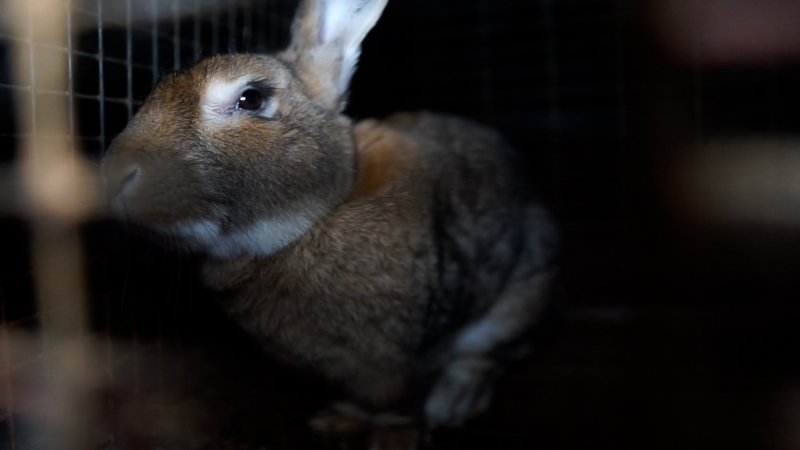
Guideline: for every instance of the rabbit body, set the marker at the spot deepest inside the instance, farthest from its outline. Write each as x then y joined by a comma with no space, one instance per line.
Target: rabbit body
434,231
396,258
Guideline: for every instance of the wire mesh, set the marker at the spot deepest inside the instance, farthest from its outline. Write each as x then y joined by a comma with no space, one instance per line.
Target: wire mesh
77,71
628,122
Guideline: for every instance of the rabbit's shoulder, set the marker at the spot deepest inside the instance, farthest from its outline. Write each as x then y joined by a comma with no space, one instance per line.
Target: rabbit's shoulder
409,150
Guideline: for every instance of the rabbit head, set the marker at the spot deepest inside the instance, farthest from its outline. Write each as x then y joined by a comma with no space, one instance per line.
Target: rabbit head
243,153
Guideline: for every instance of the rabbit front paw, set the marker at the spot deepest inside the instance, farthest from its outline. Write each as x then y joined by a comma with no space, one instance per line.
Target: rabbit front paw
464,390
384,431
340,419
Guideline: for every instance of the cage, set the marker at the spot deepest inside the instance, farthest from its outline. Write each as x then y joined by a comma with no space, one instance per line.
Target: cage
661,133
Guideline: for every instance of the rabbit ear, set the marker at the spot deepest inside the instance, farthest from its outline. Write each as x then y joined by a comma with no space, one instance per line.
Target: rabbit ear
326,42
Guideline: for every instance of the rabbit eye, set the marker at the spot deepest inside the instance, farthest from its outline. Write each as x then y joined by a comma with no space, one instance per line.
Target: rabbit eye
250,100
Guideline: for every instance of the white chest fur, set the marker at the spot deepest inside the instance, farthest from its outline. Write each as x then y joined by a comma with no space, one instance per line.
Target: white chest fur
261,238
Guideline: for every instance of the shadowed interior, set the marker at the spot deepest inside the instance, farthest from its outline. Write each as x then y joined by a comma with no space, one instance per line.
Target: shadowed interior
678,333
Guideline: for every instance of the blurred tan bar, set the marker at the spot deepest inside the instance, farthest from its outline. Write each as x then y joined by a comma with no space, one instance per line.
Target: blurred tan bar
115,11
743,180
724,32
54,196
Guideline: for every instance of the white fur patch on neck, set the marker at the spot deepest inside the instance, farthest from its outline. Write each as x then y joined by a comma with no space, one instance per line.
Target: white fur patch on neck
262,238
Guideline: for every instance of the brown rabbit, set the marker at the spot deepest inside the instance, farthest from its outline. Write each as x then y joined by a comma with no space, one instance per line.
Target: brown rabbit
398,258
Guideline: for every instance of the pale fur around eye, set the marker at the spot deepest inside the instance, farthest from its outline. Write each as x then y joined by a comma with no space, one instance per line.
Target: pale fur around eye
270,108
222,100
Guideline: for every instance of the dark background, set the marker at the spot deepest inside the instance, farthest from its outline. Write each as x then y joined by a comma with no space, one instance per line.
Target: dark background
677,333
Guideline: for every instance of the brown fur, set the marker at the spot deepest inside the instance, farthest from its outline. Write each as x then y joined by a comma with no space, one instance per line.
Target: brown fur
382,155
421,235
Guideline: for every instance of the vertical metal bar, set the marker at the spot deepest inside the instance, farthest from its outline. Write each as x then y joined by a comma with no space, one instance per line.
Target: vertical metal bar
274,35
484,52
129,58
176,35
215,27
71,75
154,33
233,35
5,349
101,72
620,19
698,108
261,21
31,72
50,178
551,66
621,93
197,32
554,100
251,11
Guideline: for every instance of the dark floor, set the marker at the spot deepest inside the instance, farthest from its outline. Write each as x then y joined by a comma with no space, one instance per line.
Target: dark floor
629,366
668,378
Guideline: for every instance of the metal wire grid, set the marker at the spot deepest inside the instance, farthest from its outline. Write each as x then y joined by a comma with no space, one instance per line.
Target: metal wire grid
114,61
578,101
131,56
114,54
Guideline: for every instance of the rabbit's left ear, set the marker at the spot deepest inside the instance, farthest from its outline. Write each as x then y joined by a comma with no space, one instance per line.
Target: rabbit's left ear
326,43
